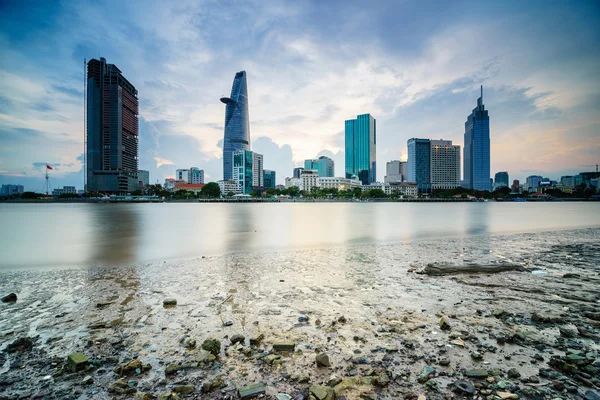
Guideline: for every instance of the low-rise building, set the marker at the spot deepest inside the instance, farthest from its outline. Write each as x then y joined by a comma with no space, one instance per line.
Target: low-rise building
289,182
190,187
310,179
229,186
9,190
339,183
170,183
64,190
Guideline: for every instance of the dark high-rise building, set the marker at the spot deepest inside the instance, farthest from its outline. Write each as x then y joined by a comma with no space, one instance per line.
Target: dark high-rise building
477,148
419,163
298,171
361,139
269,178
500,180
112,130
237,123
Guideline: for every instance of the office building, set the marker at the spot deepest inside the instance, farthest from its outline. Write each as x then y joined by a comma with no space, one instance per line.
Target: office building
477,148
500,180
237,123
248,170
196,176
532,183
112,130
395,171
270,181
445,164
419,163
182,175
324,165
361,140
310,179
228,187
9,190
143,178
64,190
297,172
515,187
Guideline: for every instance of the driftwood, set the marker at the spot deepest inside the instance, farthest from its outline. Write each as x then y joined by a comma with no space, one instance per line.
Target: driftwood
450,269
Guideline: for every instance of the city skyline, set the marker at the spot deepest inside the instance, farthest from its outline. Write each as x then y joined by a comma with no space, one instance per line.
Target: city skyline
302,82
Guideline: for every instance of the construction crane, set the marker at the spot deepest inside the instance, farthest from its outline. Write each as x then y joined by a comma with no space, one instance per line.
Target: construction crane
590,165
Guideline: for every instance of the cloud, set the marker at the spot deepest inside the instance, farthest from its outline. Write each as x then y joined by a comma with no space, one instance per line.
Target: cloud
162,161
276,157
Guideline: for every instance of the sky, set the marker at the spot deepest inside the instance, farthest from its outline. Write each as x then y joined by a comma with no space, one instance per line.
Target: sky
311,65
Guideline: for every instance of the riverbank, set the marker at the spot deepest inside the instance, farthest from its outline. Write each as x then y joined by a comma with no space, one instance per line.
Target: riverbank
388,331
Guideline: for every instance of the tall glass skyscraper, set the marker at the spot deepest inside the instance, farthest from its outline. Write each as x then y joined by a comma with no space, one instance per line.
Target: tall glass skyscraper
361,139
419,163
477,148
324,165
237,123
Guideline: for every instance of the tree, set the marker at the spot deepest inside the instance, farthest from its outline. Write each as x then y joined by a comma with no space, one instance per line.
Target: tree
357,192
30,195
230,194
271,192
255,193
211,189
376,193
293,191
137,193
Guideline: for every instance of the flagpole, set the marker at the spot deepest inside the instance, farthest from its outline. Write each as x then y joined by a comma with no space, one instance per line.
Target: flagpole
46,180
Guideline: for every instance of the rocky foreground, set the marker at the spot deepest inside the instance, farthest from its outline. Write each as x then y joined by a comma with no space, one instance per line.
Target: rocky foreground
505,317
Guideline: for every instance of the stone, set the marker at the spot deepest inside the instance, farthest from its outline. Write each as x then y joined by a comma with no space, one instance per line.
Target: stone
476,355
464,387
458,342
547,318
283,396
171,369
170,302
271,358
205,357
128,368
256,340
77,362
477,373
513,373
237,339
183,389
321,392
228,323
303,318
590,395
444,325
506,395
424,374
251,391
342,319
444,362
498,313
88,380
322,360
189,343
21,344
11,298
284,346
568,332
213,346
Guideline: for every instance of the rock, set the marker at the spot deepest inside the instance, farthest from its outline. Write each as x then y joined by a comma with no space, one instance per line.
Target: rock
171,369
257,339
322,360
444,362
189,343
477,373
205,357
284,346
450,269
77,362
228,323
547,318
303,318
170,302
444,325
506,395
342,319
476,355
11,298
424,374
513,373
131,367
237,339
21,344
251,391
319,392
458,342
568,332
88,380
283,396
589,395
571,276
382,380
464,387
271,358
183,389
498,312
213,346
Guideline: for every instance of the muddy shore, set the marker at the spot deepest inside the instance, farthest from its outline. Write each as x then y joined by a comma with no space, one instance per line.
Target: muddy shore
488,317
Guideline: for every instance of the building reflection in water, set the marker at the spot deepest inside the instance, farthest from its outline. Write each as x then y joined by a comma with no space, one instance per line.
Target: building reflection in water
114,234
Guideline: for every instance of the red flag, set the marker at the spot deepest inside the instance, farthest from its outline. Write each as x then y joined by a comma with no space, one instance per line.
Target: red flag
48,167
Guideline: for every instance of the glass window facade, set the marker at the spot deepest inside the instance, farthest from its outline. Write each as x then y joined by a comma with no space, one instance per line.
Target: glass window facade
361,140
269,179
477,148
324,165
237,122
419,163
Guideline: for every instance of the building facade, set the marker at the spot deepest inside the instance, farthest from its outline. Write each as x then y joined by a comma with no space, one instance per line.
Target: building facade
248,170
324,165
500,180
196,176
445,164
182,175
298,171
195,188
339,183
270,179
310,179
229,186
289,182
9,190
143,178
395,171
515,187
360,146
532,183
112,130
419,163
477,148
64,190
170,183
237,123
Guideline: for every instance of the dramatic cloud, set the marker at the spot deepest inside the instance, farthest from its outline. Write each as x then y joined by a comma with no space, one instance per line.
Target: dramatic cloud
311,65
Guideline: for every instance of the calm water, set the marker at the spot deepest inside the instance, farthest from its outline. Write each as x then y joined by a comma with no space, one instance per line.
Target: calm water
50,235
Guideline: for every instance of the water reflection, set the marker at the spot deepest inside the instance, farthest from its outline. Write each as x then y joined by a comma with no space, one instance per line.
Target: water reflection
115,232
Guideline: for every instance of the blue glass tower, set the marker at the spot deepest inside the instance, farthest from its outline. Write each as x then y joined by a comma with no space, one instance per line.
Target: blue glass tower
237,123
419,163
477,148
361,138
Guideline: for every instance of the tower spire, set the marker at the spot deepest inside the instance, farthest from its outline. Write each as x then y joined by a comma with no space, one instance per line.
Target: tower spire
482,93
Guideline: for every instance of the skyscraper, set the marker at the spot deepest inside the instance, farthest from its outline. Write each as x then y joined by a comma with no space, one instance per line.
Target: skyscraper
445,164
395,171
298,171
419,163
269,179
112,130
500,180
247,170
477,148
237,123
324,165
361,139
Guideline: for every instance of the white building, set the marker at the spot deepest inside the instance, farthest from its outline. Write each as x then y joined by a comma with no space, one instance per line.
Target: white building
406,189
229,186
338,183
196,176
64,190
183,175
395,171
170,183
445,164
310,179
289,182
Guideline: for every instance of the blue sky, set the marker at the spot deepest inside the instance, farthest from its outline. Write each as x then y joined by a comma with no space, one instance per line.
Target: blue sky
415,66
